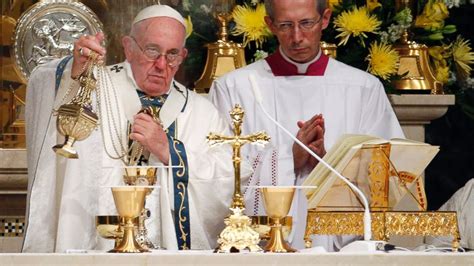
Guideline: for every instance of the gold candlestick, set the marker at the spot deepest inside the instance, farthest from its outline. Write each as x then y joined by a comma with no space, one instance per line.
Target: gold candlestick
223,55
238,234
414,60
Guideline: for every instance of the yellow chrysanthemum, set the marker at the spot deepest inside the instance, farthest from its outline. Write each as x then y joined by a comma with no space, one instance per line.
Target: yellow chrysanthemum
251,24
463,57
357,23
372,4
332,3
189,26
383,60
433,15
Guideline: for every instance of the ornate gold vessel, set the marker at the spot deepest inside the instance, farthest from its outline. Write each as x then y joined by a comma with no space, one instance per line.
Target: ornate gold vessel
329,49
414,63
110,227
277,202
129,202
76,119
142,176
224,55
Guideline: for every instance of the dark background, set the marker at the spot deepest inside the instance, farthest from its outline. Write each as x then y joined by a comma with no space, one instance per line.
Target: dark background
454,132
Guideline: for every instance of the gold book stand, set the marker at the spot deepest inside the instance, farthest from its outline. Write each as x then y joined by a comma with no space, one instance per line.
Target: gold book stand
385,222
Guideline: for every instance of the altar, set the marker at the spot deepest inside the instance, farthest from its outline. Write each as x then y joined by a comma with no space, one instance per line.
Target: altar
209,258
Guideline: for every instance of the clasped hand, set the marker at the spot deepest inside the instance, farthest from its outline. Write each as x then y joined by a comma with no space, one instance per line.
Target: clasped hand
310,133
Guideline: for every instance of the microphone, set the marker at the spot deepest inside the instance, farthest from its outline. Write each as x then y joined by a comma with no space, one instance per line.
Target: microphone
367,218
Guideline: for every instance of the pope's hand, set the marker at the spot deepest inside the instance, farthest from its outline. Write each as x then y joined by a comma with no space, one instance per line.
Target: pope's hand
82,49
311,133
150,134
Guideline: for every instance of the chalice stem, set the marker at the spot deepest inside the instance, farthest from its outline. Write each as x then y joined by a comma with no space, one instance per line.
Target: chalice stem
277,241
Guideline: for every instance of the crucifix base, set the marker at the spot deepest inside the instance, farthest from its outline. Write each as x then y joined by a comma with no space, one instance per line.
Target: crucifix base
238,234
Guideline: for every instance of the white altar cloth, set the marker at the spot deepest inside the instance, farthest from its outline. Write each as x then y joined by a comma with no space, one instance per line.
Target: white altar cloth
208,258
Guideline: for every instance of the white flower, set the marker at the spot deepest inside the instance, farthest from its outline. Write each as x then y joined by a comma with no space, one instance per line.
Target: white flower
452,3
254,2
469,83
259,54
205,9
186,5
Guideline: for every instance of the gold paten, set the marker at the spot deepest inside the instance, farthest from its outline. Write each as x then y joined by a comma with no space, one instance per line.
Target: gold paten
76,119
262,224
329,49
222,56
238,234
414,60
129,203
384,224
142,176
277,202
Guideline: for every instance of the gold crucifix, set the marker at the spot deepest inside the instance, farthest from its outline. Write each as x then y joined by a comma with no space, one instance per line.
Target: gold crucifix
237,141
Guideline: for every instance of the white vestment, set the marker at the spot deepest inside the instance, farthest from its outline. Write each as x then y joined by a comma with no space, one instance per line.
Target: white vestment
350,100
462,202
65,195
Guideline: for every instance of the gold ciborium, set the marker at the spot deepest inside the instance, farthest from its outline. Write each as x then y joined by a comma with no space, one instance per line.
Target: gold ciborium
262,225
129,203
110,227
277,201
76,119
142,176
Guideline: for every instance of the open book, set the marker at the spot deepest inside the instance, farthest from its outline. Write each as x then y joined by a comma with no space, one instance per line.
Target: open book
361,157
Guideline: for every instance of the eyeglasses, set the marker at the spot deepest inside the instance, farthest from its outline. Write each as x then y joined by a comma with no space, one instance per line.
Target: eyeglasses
304,25
152,54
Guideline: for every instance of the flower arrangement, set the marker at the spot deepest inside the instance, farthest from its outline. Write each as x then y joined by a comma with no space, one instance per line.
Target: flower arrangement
365,32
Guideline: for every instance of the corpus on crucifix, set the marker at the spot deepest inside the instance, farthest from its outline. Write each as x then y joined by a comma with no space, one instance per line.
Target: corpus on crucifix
238,234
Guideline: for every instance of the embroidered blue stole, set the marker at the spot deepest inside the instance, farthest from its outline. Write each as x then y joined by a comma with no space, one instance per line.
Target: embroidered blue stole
59,72
180,175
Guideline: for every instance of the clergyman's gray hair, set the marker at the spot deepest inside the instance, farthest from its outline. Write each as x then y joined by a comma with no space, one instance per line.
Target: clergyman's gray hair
320,7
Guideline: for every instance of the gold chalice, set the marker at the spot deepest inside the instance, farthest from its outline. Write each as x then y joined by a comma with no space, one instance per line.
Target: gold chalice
277,201
142,176
129,203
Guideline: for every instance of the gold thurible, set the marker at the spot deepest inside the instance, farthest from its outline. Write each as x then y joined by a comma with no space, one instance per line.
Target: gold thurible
76,119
